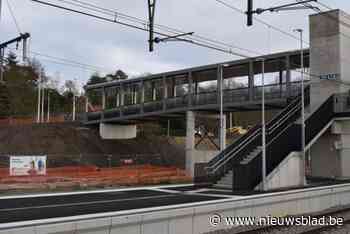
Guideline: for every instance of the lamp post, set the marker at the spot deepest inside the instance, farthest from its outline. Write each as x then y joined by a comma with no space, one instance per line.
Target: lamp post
263,125
222,147
39,98
300,31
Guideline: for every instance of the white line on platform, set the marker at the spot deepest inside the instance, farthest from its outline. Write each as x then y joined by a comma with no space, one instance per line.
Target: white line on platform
94,191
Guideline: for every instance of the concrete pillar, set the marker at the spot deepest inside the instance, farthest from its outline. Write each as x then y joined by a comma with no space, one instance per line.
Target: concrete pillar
329,55
190,87
190,141
165,92
193,156
118,97
154,94
218,83
288,76
122,96
103,98
142,96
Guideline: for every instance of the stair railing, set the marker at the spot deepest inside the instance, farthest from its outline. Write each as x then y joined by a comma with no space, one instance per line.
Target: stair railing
237,150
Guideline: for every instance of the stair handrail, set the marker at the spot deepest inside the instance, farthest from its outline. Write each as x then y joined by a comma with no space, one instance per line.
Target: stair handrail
276,122
229,156
233,145
294,105
284,118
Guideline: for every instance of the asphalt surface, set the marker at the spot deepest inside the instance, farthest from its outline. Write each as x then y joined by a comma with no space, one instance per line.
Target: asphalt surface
36,208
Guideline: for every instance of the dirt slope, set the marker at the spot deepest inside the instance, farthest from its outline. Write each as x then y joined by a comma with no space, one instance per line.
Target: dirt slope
63,140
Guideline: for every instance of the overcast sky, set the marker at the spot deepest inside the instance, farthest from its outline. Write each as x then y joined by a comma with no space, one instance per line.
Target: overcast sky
110,46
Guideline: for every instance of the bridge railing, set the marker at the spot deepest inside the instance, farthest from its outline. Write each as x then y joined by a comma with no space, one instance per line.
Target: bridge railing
230,96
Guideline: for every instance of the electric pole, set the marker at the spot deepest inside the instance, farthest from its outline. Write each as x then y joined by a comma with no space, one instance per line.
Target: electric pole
39,98
48,106
300,5
151,11
42,104
73,107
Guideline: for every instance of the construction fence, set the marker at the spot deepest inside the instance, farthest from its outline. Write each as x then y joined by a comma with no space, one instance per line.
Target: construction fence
75,172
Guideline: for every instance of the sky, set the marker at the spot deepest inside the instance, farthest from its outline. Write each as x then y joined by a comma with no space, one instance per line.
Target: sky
110,46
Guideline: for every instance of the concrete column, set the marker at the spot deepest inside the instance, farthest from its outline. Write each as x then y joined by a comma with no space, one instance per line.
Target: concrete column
251,80
86,104
329,55
190,141
194,156
142,96
218,84
118,97
174,87
154,96
103,98
122,94
165,92
190,87
288,76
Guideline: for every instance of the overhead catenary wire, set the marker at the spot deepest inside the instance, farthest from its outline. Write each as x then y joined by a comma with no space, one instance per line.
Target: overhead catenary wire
119,15
277,29
270,26
142,28
67,62
13,17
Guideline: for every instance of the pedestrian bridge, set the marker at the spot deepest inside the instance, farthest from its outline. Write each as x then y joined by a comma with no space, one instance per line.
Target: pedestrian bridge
172,94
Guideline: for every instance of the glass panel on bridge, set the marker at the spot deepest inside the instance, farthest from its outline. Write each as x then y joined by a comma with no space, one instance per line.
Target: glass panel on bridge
295,71
153,90
132,94
274,78
236,76
112,97
205,87
95,97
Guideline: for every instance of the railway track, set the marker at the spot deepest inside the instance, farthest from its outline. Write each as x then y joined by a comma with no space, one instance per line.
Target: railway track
343,212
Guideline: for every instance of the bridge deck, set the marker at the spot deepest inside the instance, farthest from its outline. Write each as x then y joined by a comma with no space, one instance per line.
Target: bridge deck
173,93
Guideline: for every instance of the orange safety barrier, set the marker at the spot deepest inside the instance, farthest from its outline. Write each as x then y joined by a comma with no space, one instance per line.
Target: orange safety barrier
94,176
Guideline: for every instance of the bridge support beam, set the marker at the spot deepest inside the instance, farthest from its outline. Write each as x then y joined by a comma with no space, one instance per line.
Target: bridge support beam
113,131
196,160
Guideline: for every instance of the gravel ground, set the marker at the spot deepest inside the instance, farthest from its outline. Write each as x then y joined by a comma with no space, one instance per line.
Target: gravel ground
345,229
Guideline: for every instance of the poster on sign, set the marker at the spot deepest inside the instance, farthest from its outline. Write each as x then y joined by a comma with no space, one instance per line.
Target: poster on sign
27,165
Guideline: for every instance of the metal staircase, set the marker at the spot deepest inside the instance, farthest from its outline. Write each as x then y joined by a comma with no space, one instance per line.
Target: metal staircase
238,167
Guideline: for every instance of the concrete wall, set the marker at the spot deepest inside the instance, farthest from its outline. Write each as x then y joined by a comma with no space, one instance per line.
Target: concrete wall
190,218
325,53
324,156
114,131
287,174
342,128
